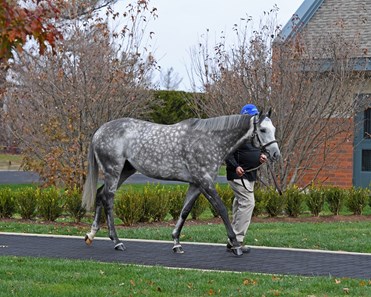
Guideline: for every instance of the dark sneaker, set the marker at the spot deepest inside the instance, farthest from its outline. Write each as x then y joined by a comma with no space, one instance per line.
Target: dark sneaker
244,248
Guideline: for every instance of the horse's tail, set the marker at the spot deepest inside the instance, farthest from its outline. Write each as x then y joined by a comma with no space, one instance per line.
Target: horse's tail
90,187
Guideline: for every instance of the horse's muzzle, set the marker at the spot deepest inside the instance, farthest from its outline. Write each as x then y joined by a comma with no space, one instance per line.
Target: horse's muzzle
275,156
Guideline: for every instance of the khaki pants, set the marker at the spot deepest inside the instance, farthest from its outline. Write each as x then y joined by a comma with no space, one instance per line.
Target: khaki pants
243,206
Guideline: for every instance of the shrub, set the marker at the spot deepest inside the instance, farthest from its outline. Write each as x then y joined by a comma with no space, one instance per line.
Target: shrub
260,201
7,205
275,202
335,198
226,194
315,201
357,200
199,207
294,201
129,206
25,201
156,203
176,201
49,203
73,204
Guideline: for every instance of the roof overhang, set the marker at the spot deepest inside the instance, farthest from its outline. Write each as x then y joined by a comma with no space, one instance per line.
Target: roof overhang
299,19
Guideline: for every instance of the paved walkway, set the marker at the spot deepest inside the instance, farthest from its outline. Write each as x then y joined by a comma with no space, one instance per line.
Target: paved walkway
197,256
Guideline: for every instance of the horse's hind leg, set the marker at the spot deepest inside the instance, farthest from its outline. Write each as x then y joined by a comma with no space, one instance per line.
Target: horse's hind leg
109,190
110,187
98,211
191,196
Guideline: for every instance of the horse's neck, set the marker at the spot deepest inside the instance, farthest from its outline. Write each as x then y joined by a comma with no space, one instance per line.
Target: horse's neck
233,139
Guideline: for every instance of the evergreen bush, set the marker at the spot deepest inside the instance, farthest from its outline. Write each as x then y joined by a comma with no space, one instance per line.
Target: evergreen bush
7,205
226,194
25,201
129,206
49,203
260,201
357,200
315,200
275,202
199,207
294,201
176,201
156,203
73,204
335,198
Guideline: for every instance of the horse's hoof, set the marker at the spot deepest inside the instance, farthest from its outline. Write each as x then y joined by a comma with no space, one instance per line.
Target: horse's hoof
237,251
178,249
120,247
88,241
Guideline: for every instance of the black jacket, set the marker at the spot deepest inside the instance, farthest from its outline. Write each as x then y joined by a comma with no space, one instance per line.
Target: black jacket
245,156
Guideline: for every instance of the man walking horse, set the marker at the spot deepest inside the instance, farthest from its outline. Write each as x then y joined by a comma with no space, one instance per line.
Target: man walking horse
190,151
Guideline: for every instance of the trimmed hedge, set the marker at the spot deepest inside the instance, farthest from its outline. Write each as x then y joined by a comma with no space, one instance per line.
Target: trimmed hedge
153,203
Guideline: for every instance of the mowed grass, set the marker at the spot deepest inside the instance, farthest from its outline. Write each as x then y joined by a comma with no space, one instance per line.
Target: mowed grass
22,276
14,158
10,161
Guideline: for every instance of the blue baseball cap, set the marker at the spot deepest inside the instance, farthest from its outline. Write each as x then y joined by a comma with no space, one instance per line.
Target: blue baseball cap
249,109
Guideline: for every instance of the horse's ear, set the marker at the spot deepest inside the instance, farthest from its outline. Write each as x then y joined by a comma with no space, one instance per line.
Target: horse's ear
269,112
261,112
261,116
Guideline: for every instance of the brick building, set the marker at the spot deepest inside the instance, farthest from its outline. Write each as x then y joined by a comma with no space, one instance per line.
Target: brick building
350,163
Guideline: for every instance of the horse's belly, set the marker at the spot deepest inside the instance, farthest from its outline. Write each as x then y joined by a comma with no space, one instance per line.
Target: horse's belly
161,167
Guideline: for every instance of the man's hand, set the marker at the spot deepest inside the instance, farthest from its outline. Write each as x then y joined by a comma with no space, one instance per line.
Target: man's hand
240,171
263,158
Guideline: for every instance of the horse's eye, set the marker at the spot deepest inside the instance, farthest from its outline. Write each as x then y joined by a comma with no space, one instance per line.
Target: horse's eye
263,130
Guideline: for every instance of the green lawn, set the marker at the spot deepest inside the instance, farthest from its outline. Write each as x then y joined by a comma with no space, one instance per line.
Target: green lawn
10,161
47,277
51,277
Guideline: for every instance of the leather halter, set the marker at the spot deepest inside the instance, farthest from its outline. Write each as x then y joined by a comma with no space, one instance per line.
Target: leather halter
262,147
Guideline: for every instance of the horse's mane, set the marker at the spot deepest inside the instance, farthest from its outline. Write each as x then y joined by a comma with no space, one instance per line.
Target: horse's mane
219,123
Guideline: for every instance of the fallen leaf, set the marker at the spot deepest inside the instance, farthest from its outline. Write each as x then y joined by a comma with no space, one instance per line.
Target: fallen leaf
362,283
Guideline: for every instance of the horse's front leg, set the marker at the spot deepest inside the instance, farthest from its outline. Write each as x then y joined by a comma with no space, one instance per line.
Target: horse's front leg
89,237
212,195
191,196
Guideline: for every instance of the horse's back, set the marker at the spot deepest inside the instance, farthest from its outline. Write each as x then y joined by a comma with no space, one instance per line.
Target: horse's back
154,149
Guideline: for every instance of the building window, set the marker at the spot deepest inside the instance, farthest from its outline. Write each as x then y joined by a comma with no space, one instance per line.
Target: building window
367,123
366,160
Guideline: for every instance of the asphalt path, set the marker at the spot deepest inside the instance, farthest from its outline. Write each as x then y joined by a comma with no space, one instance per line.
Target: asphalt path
196,256
28,177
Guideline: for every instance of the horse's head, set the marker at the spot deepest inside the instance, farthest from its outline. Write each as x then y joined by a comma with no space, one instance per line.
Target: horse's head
263,136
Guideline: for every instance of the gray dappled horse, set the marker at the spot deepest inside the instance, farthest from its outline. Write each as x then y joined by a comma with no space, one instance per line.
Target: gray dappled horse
190,151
